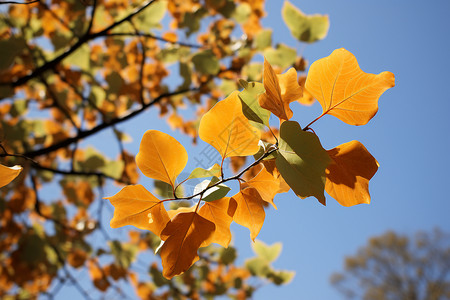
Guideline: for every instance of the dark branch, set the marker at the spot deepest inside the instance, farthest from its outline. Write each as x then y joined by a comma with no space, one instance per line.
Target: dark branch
14,2
86,133
149,35
81,41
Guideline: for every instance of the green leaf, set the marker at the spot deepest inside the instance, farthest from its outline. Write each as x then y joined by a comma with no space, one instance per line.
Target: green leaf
282,56
205,62
19,107
268,253
302,161
165,190
241,13
123,253
191,21
262,149
228,255
305,28
173,54
263,39
186,73
258,266
9,49
80,58
250,104
281,276
201,173
113,168
157,276
152,16
253,71
213,193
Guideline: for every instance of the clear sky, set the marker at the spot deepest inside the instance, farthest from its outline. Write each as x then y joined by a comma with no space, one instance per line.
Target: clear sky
409,137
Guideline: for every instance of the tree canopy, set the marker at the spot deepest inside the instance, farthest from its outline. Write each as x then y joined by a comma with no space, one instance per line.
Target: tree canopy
73,70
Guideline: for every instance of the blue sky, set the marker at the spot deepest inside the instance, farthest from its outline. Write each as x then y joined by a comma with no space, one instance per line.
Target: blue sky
409,138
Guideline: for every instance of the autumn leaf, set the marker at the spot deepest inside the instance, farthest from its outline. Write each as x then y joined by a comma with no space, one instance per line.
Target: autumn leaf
266,184
183,236
221,213
344,90
302,161
305,28
154,159
250,210
136,206
227,129
349,173
307,99
250,105
8,174
280,91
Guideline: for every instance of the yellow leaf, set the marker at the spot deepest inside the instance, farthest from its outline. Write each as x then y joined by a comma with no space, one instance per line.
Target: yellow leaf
344,90
227,129
161,156
280,91
349,174
307,99
266,184
183,236
220,212
250,210
7,174
136,206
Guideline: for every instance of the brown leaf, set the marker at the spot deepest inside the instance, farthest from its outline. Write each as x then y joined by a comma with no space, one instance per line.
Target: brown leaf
183,236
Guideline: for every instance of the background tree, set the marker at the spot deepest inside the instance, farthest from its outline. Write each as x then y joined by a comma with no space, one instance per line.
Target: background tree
398,267
70,70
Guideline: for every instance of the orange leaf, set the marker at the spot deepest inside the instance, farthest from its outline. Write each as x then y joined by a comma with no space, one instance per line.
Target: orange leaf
161,156
7,174
183,236
227,129
266,184
349,174
250,210
307,99
220,212
280,91
344,90
136,206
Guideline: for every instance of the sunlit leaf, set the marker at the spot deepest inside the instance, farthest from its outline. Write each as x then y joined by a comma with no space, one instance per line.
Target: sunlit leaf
136,206
280,91
7,174
302,161
206,62
266,184
220,212
269,253
344,90
250,210
349,173
154,159
305,28
183,236
227,129
282,56
250,105
201,173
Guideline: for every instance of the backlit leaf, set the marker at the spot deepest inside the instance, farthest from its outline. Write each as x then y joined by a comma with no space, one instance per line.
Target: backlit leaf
250,105
206,62
282,56
280,91
227,129
349,173
201,173
220,212
302,161
212,193
250,210
266,185
136,206
269,253
156,161
344,90
305,28
183,236
7,174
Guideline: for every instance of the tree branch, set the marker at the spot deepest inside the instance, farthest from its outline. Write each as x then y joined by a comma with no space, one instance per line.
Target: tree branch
86,133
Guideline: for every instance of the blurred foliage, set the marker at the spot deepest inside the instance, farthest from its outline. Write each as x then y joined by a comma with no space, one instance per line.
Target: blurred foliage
73,69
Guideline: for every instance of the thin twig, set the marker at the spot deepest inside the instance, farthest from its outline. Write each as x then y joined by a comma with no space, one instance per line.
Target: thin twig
14,2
